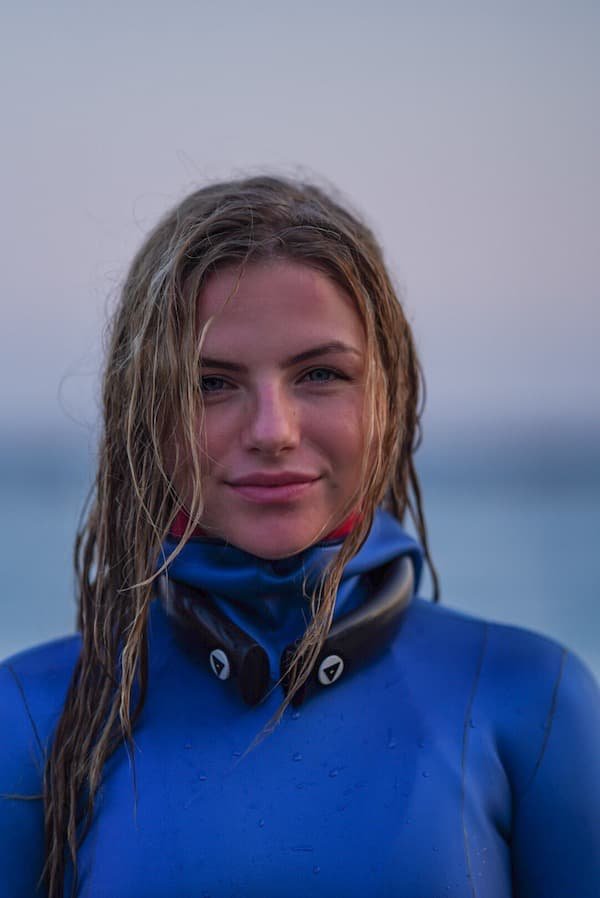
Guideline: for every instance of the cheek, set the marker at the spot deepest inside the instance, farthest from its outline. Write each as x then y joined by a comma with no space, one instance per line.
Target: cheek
342,433
216,435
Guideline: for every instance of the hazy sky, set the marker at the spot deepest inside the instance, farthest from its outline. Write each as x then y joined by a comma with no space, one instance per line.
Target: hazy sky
468,134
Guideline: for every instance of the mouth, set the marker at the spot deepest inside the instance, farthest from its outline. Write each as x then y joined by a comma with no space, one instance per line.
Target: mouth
274,490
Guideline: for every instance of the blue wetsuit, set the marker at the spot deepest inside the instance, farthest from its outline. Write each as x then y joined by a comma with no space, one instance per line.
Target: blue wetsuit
461,760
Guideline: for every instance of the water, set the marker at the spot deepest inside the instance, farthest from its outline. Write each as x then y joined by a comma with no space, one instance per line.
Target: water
514,533
516,541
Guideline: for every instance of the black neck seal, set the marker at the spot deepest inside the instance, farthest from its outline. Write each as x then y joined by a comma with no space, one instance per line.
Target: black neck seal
232,653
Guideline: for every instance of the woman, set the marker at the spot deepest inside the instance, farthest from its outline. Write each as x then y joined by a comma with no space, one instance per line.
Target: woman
244,552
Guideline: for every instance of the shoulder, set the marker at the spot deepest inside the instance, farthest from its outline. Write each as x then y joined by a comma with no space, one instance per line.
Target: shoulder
507,654
500,655
526,690
33,685
511,660
46,658
45,668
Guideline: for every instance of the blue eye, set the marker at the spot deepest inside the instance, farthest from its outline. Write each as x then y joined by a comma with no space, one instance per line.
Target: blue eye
321,375
212,383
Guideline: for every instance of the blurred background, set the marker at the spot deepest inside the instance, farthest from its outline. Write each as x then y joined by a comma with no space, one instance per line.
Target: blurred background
467,133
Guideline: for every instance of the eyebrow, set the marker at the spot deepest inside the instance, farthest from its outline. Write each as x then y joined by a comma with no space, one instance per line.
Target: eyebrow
323,349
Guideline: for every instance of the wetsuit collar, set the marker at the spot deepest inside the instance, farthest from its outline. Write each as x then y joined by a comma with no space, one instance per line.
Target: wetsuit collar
246,614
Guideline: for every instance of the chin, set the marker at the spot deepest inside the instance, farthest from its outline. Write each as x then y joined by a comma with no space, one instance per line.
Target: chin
272,551
275,544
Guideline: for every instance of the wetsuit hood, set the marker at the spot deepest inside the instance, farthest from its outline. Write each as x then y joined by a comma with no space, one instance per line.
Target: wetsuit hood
237,602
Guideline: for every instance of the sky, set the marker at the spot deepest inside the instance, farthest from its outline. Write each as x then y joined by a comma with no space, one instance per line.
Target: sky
467,134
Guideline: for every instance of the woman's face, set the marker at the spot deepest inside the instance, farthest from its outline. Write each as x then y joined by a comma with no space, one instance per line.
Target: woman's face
282,379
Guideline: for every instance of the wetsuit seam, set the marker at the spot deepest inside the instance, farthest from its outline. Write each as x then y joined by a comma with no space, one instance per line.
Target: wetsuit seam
32,723
547,725
465,747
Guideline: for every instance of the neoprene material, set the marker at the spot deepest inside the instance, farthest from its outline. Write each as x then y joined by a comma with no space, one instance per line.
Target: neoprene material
462,760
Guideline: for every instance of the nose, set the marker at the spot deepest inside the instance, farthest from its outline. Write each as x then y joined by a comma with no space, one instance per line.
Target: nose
272,425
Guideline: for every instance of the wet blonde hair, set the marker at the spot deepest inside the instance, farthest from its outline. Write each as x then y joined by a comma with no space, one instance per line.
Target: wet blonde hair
150,393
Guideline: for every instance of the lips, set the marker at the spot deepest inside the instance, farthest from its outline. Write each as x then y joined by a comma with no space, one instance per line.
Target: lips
281,478
283,487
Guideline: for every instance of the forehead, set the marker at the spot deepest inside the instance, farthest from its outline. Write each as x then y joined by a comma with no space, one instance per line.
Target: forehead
276,305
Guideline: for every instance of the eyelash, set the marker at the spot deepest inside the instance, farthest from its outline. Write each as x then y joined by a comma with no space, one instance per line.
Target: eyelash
334,375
